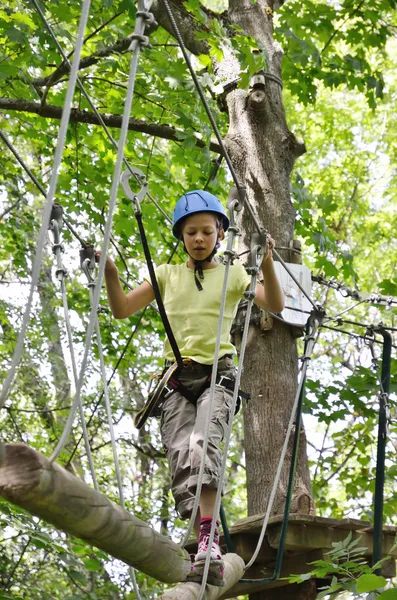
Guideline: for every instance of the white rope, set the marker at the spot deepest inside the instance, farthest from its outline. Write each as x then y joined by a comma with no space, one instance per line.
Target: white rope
251,296
92,105
306,359
109,414
61,274
229,253
135,46
48,203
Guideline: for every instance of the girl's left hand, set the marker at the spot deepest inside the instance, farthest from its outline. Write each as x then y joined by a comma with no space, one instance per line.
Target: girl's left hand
269,250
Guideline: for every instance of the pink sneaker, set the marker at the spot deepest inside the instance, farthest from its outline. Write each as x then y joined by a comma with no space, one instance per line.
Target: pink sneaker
194,575
216,568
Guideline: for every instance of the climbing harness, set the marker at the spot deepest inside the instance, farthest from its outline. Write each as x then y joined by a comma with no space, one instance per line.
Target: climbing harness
168,381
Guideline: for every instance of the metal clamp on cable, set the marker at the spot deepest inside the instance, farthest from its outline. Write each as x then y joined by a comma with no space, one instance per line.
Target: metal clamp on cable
259,243
87,253
57,247
85,266
149,18
233,205
141,179
143,19
87,263
56,215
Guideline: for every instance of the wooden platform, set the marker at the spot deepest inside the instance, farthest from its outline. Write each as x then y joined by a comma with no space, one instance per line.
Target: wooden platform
308,538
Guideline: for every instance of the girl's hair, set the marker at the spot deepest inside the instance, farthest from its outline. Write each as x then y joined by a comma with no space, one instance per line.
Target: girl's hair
218,220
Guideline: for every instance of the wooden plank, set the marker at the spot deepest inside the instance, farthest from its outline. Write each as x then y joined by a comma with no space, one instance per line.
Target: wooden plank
310,537
45,489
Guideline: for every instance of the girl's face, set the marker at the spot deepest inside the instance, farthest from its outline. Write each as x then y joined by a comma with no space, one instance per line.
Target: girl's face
200,233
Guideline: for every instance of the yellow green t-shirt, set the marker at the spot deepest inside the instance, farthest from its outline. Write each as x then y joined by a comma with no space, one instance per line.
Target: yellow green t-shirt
194,314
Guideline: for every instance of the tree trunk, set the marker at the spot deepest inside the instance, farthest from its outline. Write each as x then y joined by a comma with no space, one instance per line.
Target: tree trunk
263,152
45,489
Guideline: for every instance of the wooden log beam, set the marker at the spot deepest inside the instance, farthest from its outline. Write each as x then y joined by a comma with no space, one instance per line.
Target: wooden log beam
234,569
29,480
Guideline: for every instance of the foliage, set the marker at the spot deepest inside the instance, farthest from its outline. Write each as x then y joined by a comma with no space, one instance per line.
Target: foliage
339,94
349,571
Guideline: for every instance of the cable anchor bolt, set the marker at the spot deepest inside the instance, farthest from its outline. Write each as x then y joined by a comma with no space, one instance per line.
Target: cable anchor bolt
141,179
87,253
56,215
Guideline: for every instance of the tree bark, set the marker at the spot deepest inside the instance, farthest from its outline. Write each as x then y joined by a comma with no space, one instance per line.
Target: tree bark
85,116
263,152
45,489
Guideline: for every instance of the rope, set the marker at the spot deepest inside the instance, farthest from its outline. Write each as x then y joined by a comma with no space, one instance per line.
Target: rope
135,46
48,204
229,254
250,295
241,189
306,358
22,163
91,285
109,380
61,274
294,278
98,115
38,184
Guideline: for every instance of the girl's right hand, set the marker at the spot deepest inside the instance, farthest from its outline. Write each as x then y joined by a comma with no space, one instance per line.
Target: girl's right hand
109,264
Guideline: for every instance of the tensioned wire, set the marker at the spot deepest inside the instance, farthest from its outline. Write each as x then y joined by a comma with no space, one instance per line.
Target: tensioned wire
241,189
92,105
251,296
110,379
210,116
60,274
92,284
37,184
135,46
306,359
229,253
49,201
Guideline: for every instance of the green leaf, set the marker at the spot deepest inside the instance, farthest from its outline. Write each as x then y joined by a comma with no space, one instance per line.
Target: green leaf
369,583
388,595
91,564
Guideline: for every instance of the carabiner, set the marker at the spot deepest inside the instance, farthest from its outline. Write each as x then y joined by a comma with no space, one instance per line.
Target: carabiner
141,179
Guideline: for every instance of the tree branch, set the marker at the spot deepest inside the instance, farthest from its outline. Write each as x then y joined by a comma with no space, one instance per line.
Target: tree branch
60,70
111,120
186,23
117,48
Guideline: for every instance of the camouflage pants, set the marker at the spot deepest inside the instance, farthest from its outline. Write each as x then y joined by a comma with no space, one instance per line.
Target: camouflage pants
183,432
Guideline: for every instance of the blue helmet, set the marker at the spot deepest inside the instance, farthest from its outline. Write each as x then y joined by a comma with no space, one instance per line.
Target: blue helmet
195,202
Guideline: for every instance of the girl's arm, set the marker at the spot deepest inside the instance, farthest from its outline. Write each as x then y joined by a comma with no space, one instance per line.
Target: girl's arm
121,304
